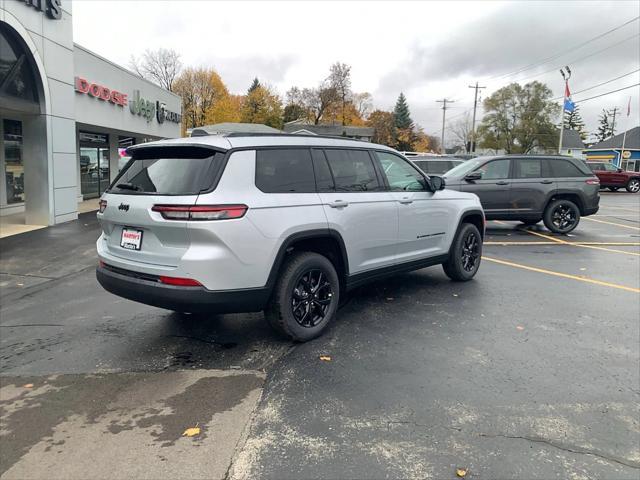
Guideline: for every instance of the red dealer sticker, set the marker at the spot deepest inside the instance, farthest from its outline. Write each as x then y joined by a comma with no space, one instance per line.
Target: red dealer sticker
100,91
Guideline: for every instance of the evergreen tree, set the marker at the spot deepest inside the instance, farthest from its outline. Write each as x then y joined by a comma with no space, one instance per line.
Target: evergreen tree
255,84
401,114
604,128
573,121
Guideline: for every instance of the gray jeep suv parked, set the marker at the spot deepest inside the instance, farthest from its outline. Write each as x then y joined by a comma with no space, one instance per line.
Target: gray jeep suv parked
530,188
281,223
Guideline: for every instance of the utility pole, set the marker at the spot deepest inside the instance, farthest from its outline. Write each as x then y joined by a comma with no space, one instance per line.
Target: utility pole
444,102
613,121
473,123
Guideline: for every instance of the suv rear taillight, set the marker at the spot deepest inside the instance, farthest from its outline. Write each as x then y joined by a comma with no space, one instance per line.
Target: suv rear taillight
200,212
592,181
102,205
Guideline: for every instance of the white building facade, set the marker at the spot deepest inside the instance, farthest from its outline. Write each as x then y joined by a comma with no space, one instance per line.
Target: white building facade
66,114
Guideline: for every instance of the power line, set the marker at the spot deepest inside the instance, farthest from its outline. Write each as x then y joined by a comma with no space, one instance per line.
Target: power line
599,84
553,57
572,62
607,93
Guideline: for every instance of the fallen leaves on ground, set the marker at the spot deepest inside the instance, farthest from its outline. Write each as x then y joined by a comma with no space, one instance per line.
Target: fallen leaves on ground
461,472
192,431
325,358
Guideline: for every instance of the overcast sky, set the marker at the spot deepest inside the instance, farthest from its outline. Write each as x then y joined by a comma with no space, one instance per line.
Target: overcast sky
428,50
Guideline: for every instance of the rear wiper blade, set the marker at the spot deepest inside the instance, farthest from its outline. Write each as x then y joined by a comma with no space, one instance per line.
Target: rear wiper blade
128,186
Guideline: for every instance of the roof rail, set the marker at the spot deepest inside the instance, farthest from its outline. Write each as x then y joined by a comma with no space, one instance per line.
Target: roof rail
293,135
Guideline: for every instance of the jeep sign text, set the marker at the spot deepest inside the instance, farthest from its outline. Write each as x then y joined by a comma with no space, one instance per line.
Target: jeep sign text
142,107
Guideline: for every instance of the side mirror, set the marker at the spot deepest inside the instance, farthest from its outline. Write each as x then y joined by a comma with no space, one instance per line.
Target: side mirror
437,183
620,170
473,176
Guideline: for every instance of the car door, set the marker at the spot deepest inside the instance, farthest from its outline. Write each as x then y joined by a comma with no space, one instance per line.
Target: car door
532,183
493,187
423,217
357,206
614,177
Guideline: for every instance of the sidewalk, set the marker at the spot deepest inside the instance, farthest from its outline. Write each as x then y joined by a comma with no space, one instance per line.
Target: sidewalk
32,259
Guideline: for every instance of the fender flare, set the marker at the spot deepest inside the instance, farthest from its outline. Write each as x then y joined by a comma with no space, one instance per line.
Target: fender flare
305,235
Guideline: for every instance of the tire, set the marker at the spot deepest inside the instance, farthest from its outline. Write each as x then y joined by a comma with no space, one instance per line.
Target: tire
465,255
633,185
613,189
528,223
561,216
290,312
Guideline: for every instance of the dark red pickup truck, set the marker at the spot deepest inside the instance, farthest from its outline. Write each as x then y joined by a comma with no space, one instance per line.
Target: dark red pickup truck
614,178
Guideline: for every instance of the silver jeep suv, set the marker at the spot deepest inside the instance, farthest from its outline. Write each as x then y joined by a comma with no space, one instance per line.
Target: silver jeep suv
282,223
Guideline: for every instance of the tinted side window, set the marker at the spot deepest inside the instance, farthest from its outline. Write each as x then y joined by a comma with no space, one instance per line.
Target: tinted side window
564,168
324,179
284,171
529,168
594,166
352,170
400,174
495,170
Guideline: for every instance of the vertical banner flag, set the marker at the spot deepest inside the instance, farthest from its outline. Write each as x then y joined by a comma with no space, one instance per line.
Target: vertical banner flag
569,106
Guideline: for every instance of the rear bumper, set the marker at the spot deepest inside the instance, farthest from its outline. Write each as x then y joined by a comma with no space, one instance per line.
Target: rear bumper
591,210
181,299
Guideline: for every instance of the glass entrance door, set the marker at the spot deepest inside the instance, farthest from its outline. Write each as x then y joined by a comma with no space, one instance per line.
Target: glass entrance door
94,164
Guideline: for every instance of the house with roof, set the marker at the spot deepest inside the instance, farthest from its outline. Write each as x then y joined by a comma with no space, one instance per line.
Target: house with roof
572,144
302,127
610,150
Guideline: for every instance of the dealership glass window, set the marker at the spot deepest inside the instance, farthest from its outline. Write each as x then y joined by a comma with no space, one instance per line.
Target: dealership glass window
16,72
13,160
94,164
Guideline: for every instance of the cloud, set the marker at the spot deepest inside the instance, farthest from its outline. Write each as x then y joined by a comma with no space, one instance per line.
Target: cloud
238,71
519,34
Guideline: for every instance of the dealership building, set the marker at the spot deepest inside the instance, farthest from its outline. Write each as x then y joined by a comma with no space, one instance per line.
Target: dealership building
66,115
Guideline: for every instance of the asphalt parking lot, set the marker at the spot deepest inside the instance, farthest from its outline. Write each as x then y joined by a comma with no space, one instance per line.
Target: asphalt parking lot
532,370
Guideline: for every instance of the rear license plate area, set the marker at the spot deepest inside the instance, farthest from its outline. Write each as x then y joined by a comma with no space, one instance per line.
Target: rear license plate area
131,239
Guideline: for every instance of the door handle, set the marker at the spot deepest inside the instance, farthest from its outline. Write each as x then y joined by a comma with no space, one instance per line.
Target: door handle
405,201
339,204
502,183
546,182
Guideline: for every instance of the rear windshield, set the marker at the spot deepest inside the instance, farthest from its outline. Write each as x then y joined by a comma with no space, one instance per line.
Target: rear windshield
169,171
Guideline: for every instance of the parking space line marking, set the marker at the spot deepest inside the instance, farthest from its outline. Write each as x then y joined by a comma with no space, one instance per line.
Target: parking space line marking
612,223
612,244
636,210
562,275
593,247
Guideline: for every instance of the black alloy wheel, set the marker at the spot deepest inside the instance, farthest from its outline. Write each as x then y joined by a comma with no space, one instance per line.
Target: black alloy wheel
311,298
305,297
563,217
465,254
470,251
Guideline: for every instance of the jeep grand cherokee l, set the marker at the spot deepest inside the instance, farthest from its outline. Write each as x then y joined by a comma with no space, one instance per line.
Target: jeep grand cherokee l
530,188
281,223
